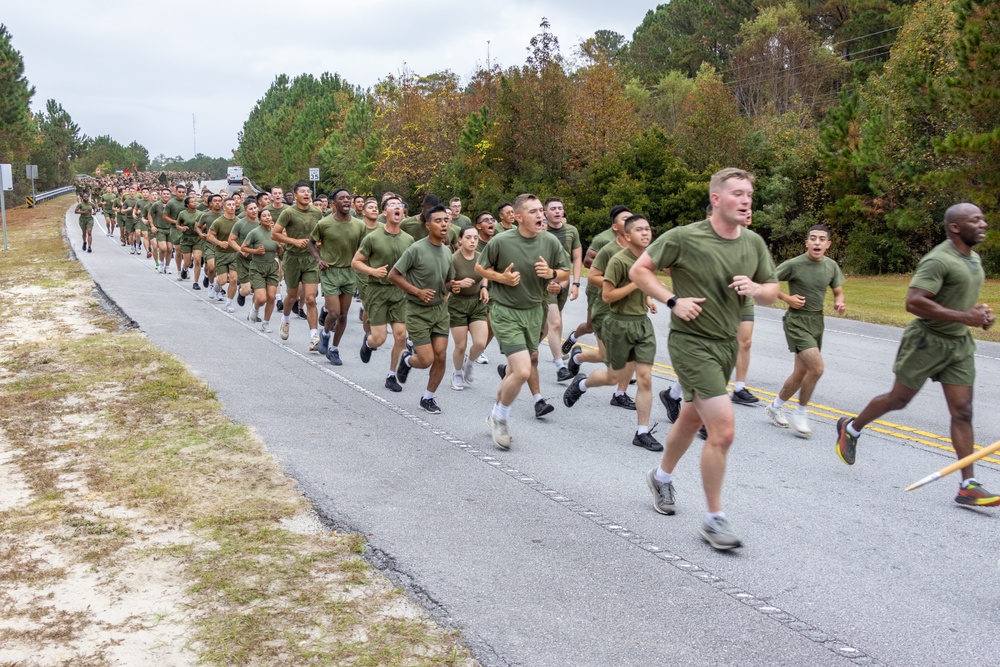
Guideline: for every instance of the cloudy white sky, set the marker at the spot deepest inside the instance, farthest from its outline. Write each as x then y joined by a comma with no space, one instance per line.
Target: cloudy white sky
139,70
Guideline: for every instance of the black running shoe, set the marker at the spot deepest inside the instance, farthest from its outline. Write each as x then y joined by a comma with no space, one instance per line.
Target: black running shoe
673,405
568,344
542,408
366,352
279,306
501,370
402,371
323,312
430,406
574,367
195,286
204,281
302,313
324,343
392,385
85,246
703,432
623,401
573,391
295,307
647,441
90,249
563,374
333,355
184,276
744,397
241,300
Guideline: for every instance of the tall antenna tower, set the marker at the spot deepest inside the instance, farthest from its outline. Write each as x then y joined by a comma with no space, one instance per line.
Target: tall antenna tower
194,134
487,55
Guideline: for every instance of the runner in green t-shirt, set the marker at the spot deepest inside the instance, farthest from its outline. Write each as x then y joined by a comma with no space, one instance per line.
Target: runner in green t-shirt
628,332
467,308
938,345
172,209
808,275
506,217
593,292
142,220
225,254
187,223
371,223
336,238
385,303
357,208
569,239
264,274
293,228
159,227
86,212
108,208
519,266
244,226
207,247
425,272
714,264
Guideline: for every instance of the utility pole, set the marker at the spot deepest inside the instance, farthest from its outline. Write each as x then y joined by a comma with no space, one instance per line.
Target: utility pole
194,134
487,55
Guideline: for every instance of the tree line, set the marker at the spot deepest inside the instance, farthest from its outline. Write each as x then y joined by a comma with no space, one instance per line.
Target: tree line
870,116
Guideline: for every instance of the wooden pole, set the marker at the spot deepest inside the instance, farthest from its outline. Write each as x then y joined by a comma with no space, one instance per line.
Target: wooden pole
957,465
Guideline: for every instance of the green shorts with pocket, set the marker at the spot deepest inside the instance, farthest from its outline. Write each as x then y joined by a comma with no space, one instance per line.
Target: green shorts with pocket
558,299
130,225
163,235
187,246
263,274
86,224
426,322
385,304
208,250
176,235
337,280
924,354
225,262
243,269
803,330
300,269
629,338
598,318
517,329
703,365
463,310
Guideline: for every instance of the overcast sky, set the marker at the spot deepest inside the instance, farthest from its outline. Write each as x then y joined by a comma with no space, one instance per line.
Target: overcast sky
139,70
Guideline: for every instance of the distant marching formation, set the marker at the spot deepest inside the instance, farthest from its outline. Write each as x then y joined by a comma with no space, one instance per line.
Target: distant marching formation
437,274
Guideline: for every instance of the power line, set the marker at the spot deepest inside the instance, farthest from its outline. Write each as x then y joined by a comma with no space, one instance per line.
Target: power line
847,58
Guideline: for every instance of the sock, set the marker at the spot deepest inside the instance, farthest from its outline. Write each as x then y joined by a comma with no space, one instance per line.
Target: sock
739,386
458,375
312,332
286,318
850,429
619,393
801,410
367,345
229,302
675,391
967,482
334,348
572,337
390,374
428,395
709,516
583,385
576,358
559,362
537,397
662,477
641,430
777,402
267,322
501,411
406,360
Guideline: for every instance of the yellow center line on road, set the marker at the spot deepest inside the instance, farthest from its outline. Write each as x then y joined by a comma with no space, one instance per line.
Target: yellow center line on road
891,429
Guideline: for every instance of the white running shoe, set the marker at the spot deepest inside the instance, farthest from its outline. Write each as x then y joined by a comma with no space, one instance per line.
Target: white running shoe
776,415
266,328
482,359
230,308
456,382
467,368
800,425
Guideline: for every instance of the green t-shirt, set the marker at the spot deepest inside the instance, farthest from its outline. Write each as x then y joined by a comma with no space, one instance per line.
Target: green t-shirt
426,266
702,264
144,209
156,211
466,268
955,281
86,212
189,219
414,227
604,255
202,206
338,241
173,208
522,252
242,228
602,239
108,201
569,238
223,227
810,279
207,218
258,237
276,212
616,273
298,224
461,221
381,248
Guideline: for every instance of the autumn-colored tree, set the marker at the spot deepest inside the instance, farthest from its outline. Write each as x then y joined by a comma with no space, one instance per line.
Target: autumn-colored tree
711,132
601,119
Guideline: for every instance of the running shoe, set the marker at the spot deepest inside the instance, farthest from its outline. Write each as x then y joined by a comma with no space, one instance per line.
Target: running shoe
499,431
703,432
324,343
392,384
573,391
284,330
403,371
976,496
90,249
302,313
502,370
430,406
776,415
266,328
563,374
622,401
241,300
467,369
314,343
409,345
482,359
85,247
542,408
295,308
333,356
457,383
647,441
323,312
149,255
184,274
572,365
204,281
195,286
252,316
719,534
366,352
847,444
230,308
279,305
568,344
800,425
744,397
673,405
663,494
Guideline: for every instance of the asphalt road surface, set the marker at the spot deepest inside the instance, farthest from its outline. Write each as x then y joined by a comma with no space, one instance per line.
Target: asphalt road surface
551,553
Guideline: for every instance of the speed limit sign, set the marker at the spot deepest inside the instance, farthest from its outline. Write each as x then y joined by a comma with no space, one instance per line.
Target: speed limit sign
313,173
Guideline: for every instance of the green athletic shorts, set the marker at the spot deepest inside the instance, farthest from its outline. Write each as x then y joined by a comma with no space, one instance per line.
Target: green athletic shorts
87,225
243,269
924,354
263,274
187,246
362,283
385,304
746,312
426,322
803,330
225,262
558,299
300,269
629,338
464,310
175,235
162,236
207,250
599,317
338,280
703,365
517,329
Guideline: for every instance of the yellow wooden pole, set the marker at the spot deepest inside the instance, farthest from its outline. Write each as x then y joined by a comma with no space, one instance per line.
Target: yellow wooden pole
957,465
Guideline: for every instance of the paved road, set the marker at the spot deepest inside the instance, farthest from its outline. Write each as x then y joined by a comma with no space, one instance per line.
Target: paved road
551,554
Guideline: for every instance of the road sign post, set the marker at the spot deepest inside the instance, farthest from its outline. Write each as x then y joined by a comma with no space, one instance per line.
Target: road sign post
6,183
314,176
31,171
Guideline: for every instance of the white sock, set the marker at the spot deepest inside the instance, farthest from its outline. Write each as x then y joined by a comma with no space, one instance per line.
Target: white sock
334,347
675,391
536,397
739,386
501,411
229,302
572,337
714,515
583,384
313,332
801,410
286,318
619,393
966,482
662,477
390,374
777,402
559,362
576,358
850,429
406,360
428,395
642,429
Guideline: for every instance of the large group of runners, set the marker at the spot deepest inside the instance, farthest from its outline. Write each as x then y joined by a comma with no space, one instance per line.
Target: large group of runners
438,275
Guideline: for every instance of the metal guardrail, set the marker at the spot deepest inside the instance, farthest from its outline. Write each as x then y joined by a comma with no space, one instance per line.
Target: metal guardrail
49,194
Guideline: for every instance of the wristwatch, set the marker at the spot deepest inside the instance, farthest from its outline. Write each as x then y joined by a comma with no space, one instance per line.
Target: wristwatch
671,302
576,283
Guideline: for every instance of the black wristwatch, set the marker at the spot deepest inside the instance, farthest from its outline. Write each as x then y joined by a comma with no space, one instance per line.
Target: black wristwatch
671,302
576,283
